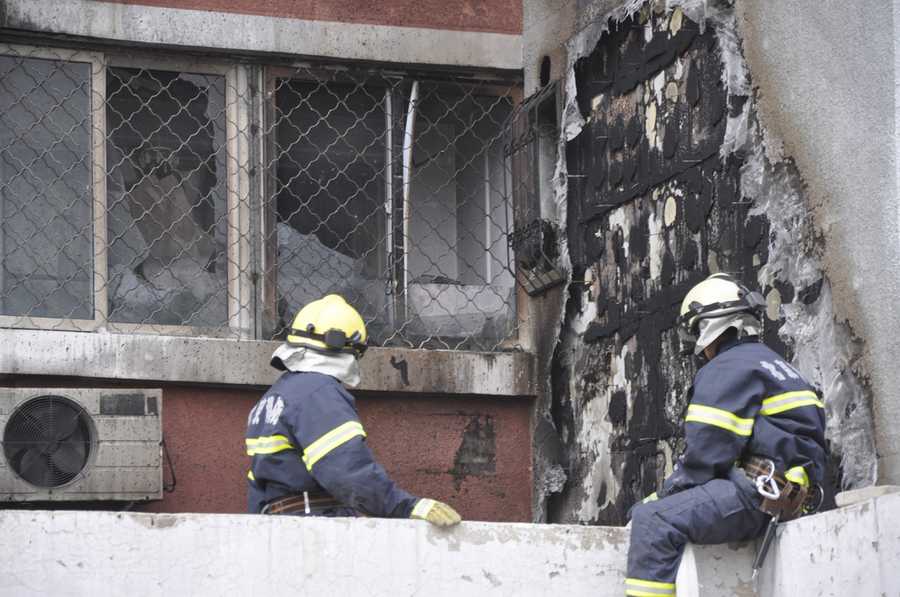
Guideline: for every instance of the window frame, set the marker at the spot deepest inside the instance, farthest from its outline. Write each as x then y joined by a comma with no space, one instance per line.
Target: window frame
251,280
396,108
240,317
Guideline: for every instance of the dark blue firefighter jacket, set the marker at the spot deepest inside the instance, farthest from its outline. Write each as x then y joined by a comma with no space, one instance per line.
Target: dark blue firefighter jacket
748,401
304,434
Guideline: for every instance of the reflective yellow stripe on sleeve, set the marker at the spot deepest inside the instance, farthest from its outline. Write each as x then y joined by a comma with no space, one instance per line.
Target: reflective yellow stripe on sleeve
789,400
648,588
251,476
699,413
331,440
267,444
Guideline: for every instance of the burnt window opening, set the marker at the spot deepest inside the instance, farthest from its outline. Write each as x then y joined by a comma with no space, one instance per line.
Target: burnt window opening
459,276
330,196
419,247
166,197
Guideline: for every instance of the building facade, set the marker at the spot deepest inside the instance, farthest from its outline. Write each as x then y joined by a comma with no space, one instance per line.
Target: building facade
515,194
178,178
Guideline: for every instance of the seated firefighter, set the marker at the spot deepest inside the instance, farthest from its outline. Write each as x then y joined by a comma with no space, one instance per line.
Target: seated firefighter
308,449
755,441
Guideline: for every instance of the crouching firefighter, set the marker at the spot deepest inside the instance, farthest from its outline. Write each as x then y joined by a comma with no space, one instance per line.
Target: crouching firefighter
755,441
308,449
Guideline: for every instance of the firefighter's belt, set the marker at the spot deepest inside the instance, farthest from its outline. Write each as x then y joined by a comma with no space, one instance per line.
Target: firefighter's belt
301,503
792,496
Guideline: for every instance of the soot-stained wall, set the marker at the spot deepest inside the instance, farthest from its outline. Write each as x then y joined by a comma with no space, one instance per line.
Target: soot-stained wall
667,183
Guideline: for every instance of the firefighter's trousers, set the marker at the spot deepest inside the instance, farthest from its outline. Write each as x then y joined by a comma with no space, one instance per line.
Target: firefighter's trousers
719,511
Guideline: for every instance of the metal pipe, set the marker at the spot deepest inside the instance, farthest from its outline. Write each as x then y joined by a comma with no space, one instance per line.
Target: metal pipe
408,139
3,188
389,201
488,219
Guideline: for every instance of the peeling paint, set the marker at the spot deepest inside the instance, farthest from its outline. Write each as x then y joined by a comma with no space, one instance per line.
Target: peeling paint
773,305
671,211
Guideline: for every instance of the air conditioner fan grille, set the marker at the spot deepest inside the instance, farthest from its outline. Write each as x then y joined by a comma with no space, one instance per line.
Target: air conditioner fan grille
48,440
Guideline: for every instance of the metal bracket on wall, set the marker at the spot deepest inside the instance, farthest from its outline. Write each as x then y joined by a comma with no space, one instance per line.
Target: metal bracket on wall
536,252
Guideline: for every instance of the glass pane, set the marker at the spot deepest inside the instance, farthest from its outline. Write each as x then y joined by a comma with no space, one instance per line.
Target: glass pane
45,188
167,205
331,221
460,281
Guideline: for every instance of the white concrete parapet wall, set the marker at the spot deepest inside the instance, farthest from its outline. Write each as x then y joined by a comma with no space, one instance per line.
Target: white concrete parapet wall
851,551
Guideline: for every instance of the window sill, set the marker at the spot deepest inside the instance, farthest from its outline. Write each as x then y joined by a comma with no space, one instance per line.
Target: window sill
172,359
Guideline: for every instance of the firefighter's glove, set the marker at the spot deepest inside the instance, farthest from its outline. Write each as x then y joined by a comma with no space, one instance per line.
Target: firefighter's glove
437,513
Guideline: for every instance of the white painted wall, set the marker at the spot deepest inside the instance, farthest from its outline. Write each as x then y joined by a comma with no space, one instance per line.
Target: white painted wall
851,551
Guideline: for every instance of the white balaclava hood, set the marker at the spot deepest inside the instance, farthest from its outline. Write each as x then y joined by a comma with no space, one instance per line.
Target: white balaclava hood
342,366
713,327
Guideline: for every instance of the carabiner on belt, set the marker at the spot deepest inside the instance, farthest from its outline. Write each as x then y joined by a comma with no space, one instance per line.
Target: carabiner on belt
766,485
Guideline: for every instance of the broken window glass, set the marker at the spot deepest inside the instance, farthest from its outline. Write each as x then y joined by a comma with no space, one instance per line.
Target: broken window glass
460,283
46,249
331,143
167,207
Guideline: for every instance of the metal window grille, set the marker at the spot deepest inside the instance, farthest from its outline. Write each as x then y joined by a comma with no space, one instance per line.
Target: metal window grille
172,196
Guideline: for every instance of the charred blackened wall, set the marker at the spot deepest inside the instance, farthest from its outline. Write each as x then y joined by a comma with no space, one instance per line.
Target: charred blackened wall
667,183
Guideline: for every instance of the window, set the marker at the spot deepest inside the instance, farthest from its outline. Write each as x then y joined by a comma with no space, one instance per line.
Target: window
46,242
166,197
331,168
459,280
393,193
180,197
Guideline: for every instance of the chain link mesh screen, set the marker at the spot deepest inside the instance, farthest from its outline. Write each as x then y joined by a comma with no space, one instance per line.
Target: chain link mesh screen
217,200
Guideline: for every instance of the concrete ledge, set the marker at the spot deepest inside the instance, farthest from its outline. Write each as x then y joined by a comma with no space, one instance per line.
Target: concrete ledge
144,357
95,553
850,551
229,31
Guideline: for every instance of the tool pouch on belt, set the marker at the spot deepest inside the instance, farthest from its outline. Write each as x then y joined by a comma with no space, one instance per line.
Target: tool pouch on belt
792,496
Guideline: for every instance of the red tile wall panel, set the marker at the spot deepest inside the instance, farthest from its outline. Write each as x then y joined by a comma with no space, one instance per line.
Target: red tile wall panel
472,452
495,16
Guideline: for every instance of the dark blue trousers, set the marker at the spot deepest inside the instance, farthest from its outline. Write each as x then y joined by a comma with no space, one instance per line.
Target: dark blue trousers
719,511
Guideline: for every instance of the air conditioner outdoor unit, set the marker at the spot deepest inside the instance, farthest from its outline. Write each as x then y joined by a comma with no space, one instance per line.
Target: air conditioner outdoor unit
80,444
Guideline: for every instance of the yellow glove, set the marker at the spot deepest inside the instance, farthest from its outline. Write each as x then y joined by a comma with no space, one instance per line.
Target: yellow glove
437,513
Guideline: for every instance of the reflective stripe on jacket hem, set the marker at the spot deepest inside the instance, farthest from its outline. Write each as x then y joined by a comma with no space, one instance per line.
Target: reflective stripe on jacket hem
797,475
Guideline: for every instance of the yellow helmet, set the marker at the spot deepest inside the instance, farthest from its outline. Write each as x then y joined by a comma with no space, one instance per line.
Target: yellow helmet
716,297
329,324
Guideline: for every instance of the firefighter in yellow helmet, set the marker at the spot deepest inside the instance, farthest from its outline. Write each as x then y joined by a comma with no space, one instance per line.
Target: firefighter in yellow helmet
308,448
754,441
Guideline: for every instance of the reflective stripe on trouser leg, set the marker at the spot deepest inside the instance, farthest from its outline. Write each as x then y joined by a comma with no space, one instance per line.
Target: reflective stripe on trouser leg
719,511
637,587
